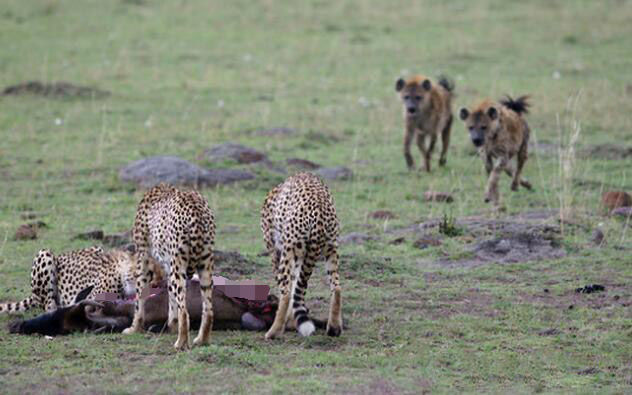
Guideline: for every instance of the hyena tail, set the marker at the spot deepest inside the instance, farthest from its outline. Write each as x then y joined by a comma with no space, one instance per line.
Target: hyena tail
519,105
24,305
447,83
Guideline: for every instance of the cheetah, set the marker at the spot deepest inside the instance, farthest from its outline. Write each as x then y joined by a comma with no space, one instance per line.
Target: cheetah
177,228
56,281
500,132
427,113
300,227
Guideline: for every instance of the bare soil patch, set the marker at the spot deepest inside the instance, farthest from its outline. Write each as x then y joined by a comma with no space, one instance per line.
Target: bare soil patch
59,89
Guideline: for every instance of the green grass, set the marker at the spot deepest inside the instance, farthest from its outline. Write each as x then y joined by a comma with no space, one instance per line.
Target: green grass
185,76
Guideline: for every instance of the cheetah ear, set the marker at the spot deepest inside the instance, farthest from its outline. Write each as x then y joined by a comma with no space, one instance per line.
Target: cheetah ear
399,85
84,294
492,112
426,85
464,113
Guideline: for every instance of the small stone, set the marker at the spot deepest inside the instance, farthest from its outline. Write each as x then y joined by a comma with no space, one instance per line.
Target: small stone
597,237
503,247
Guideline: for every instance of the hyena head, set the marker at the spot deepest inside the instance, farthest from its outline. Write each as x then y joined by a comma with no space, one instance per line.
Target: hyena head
480,122
415,94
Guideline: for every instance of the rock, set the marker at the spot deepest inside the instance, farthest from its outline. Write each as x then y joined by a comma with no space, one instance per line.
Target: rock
237,152
426,242
355,238
397,241
502,247
115,240
151,171
590,288
29,231
433,196
302,164
382,214
615,199
597,237
335,173
625,212
274,132
91,235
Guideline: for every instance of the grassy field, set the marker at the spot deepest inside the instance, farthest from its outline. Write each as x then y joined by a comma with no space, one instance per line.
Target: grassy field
185,76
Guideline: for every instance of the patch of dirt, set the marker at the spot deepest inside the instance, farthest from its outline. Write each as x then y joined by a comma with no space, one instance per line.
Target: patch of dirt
426,242
232,264
616,294
382,214
302,164
59,89
434,196
273,132
607,151
471,301
29,231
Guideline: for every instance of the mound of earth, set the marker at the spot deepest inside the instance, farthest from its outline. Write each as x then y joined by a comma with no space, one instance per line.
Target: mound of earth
607,151
149,172
237,152
59,89
302,164
615,199
335,173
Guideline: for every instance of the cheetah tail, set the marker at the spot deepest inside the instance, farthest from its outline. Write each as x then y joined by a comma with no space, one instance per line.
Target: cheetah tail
24,305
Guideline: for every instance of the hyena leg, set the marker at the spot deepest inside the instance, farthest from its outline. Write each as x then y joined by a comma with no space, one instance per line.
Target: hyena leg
304,325
177,280
517,179
283,282
408,138
428,152
492,182
205,272
334,323
141,282
445,142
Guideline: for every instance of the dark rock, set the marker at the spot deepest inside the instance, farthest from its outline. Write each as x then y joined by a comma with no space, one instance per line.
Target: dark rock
625,212
597,237
29,231
335,173
116,240
426,242
55,89
91,235
382,214
237,152
590,288
433,196
151,171
302,164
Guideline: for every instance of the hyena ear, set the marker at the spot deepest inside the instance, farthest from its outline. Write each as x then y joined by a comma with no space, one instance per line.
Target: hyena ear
426,85
492,112
464,113
399,85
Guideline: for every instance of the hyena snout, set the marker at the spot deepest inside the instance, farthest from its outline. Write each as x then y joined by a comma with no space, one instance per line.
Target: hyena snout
411,110
478,138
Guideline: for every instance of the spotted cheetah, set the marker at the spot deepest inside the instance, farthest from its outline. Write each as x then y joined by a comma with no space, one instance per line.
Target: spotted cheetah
177,228
300,227
56,281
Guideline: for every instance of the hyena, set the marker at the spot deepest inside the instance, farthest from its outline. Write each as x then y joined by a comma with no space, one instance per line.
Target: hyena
500,132
427,113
